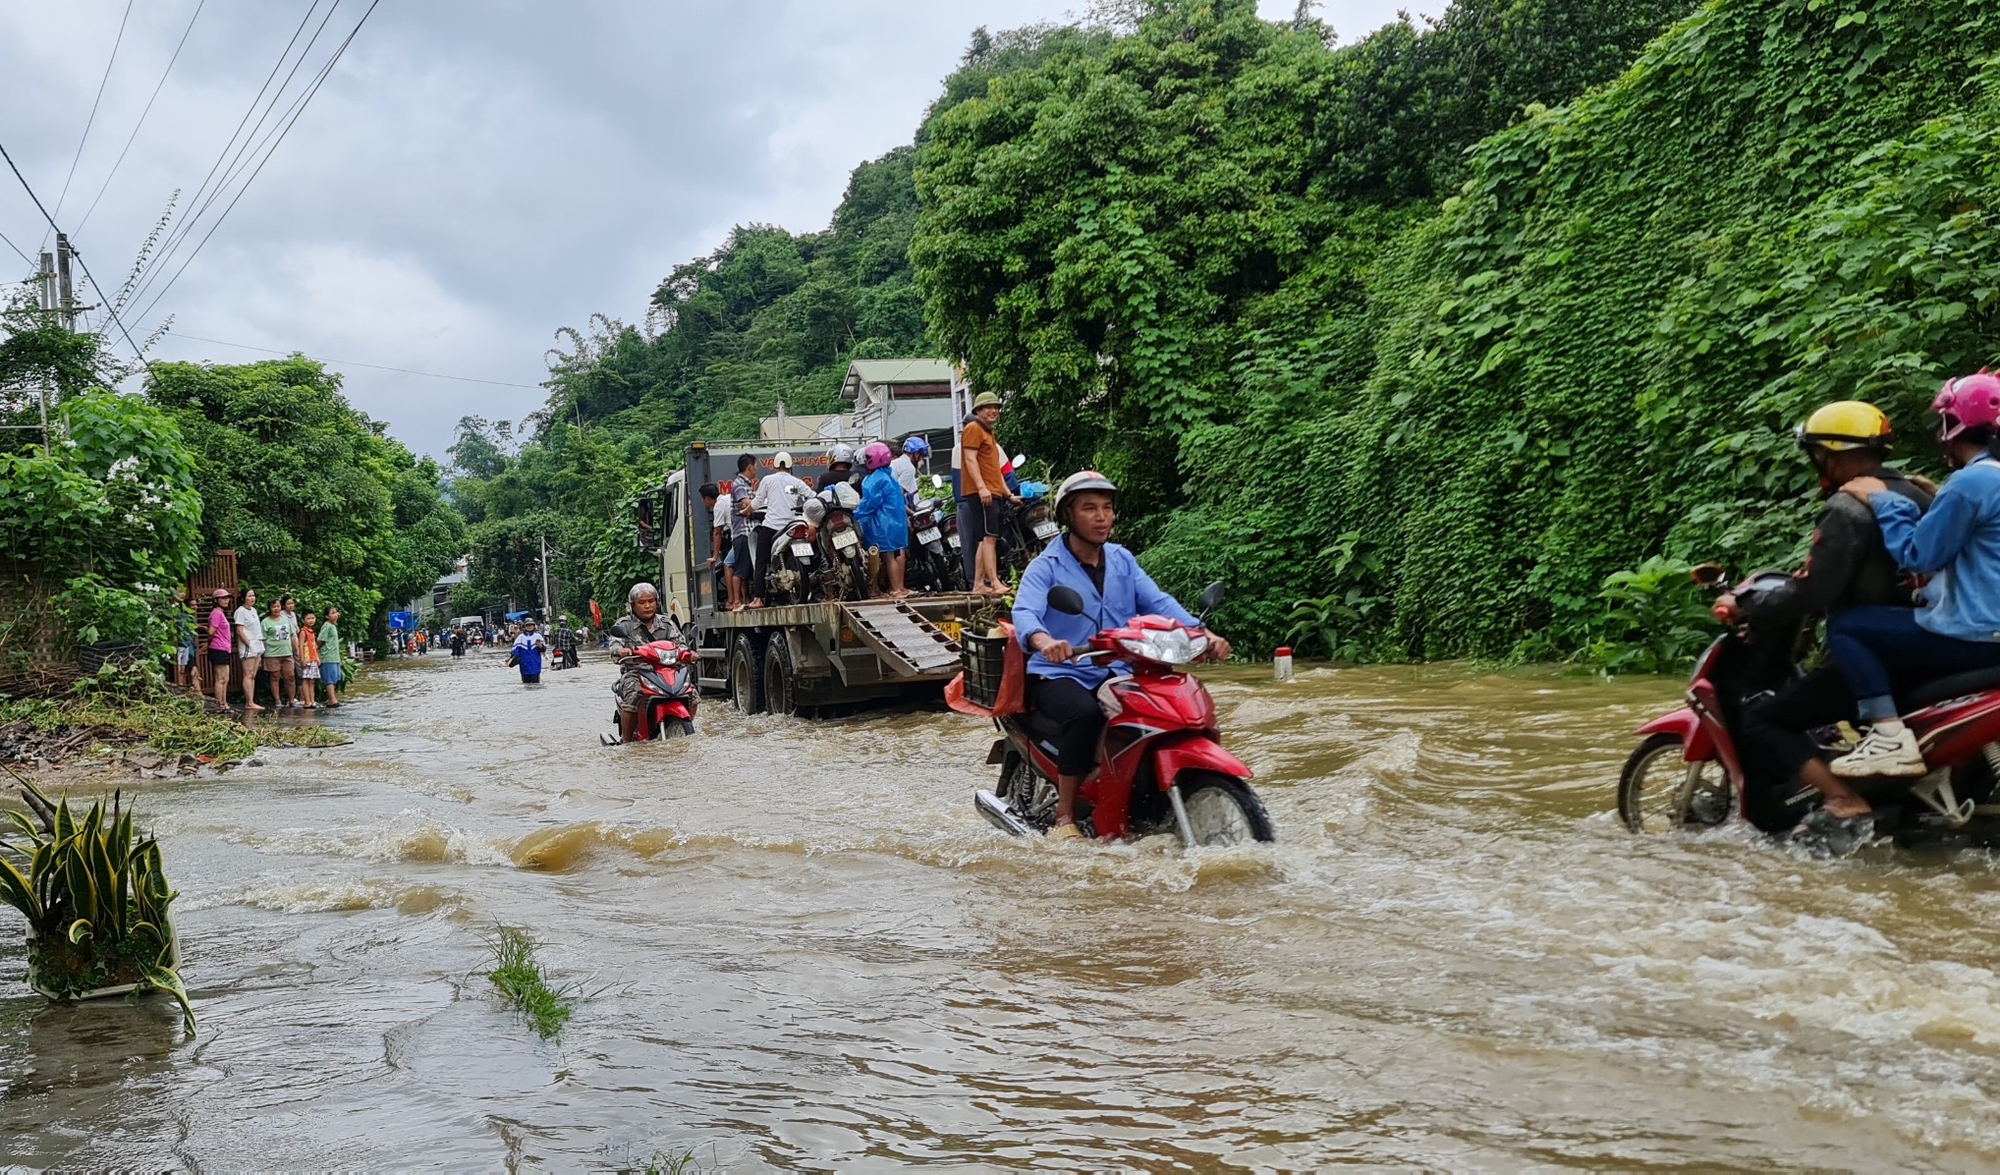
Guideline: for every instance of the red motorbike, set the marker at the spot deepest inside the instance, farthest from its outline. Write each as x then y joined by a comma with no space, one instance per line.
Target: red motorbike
1160,764
668,690
1687,772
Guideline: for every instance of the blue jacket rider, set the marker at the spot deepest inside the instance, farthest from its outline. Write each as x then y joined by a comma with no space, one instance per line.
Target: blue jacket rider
1114,589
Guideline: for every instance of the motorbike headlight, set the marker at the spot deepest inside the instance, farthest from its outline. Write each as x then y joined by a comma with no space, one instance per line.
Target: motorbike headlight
1173,646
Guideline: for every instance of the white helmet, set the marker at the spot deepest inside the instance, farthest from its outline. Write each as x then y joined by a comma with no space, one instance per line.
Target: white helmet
1088,479
782,461
842,454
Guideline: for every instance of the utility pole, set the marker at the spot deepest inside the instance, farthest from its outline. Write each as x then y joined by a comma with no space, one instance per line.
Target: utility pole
546,613
66,292
48,292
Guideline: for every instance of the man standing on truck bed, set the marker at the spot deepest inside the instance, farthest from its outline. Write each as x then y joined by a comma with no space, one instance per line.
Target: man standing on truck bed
741,492
985,485
780,496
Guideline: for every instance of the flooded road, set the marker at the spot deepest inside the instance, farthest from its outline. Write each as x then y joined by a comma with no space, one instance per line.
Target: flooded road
808,951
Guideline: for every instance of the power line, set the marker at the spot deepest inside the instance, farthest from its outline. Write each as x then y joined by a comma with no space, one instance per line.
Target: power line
89,122
498,383
17,250
174,237
142,115
88,276
298,112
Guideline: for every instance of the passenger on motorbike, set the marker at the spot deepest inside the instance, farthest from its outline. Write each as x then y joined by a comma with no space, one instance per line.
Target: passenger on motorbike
641,625
1114,589
839,467
1847,566
907,468
1956,627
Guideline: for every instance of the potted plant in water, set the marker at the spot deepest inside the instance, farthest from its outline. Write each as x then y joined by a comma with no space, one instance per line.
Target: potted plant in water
95,900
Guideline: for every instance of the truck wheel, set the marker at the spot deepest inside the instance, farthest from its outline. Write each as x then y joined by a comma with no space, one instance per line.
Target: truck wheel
746,678
780,696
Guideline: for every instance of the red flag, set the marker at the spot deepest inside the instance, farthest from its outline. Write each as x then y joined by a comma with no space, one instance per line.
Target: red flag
596,617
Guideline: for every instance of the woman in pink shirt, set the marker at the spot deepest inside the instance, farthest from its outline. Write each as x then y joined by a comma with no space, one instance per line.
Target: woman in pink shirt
219,647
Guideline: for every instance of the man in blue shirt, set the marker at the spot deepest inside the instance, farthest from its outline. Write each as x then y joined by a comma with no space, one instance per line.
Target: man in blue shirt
1114,589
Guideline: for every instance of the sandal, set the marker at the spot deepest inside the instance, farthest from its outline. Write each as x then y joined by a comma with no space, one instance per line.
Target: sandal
1066,832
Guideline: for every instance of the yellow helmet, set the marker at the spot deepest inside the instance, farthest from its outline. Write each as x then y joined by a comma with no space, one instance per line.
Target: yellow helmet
1845,425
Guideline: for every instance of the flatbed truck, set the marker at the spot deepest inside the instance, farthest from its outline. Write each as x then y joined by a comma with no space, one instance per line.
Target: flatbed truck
796,659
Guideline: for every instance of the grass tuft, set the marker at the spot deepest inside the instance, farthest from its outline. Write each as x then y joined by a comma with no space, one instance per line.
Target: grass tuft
521,979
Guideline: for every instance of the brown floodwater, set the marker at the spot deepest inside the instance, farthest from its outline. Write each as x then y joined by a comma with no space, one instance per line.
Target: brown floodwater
804,949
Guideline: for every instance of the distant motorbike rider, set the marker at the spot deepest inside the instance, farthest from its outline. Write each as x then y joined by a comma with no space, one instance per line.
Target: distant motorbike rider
641,625
1114,589
1847,566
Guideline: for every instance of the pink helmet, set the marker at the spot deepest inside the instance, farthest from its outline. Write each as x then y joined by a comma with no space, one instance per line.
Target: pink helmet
877,456
1970,401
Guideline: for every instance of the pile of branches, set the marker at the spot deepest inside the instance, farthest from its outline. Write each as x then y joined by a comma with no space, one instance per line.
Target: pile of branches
39,681
21,742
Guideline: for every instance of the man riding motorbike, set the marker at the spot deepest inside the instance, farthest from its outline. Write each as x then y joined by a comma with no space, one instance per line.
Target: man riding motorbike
641,625
1847,566
1114,589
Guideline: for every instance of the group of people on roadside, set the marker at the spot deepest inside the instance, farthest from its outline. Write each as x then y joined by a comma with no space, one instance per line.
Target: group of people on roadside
750,512
1908,577
293,655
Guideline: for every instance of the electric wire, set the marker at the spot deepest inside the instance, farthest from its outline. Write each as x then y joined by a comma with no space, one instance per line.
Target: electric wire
175,235
251,145
85,266
129,139
17,250
245,187
91,121
498,383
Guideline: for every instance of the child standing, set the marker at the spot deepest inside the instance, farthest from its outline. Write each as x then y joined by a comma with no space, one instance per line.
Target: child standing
527,653
308,652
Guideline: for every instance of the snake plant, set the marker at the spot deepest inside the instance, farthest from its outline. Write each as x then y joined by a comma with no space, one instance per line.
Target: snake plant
95,898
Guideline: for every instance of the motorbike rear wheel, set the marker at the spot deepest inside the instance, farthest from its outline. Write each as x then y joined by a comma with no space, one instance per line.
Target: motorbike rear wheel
1659,791
1223,811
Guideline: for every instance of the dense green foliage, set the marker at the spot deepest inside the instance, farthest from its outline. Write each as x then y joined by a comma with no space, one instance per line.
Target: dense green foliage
1212,261
109,516
316,501
1454,340
769,317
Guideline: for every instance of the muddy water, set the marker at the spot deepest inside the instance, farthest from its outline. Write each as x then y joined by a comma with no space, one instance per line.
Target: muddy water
806,950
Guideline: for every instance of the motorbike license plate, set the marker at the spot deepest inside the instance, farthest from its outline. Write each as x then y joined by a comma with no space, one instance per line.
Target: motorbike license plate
802,550
954,542
1046,530
842,540
928,536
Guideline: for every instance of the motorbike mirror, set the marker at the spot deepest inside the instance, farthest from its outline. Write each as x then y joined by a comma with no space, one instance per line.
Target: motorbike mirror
1065,599
1210,597
937,481
1707,574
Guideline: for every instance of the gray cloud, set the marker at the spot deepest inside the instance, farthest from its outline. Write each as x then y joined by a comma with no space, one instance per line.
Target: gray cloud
471,176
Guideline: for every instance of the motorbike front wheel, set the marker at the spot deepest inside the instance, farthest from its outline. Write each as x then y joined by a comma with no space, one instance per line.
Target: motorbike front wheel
1659,790
1222,810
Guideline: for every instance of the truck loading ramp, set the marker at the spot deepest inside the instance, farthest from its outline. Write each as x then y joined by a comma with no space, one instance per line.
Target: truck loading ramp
902,638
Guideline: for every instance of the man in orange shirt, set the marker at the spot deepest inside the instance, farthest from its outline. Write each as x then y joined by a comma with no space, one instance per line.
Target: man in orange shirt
984,481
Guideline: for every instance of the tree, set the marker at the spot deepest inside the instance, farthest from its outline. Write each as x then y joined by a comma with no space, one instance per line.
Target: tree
315,499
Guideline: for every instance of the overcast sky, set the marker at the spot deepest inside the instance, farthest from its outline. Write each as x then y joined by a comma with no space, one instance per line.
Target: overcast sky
471,176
